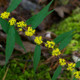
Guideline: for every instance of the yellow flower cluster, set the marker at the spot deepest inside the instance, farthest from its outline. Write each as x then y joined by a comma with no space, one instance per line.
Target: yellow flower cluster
71,66
77,74
38,40
56,52
5,15
12,21
62,62
21,24
50,44
29,32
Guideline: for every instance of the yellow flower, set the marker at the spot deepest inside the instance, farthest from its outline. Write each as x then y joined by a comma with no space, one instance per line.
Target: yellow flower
50,44
21,24
38,40
12,21
77,74
5,15
62,62
56,52
30,31
71,66
20,29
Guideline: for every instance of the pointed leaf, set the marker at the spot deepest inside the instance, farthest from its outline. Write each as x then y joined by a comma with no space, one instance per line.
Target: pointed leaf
62,37
35,20
18,40
37,54
4,25
10,43
57,72
13,5
78,64
65,42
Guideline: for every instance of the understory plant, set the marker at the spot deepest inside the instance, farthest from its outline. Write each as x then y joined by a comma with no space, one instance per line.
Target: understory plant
71,22
9,24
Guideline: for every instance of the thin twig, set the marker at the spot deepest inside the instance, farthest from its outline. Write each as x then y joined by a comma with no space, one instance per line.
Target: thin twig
5,73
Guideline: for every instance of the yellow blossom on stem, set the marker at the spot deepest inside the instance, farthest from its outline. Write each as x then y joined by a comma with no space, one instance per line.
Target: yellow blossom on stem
12,21
62,62
77,74
21,24
38,40
50,44
71,66
5,15
56,52
29,32
20,29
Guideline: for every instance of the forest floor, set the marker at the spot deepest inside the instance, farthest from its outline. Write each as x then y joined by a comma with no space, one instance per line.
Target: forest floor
64,18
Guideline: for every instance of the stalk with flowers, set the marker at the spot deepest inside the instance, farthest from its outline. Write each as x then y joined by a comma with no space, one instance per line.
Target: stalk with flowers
13,37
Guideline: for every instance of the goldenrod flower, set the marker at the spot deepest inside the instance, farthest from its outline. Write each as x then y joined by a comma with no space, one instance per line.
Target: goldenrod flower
12,21
5,15
30,31
77,74
50,44
71,66
38,40
62,62
20,29
21,24
56,52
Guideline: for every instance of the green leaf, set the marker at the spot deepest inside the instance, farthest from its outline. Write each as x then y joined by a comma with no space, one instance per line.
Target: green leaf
78,64
10,43
62,36
18,40
57,72
37,54
5,25
65,42
13,5
74,78
35,20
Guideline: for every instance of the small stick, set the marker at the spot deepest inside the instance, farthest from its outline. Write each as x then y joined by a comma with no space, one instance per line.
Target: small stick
5,73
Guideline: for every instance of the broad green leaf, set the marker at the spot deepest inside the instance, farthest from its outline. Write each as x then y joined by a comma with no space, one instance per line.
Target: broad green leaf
65,42
62,36
37,54
35,20
10,43
57,72
13,5
4,25
18,40
78,64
